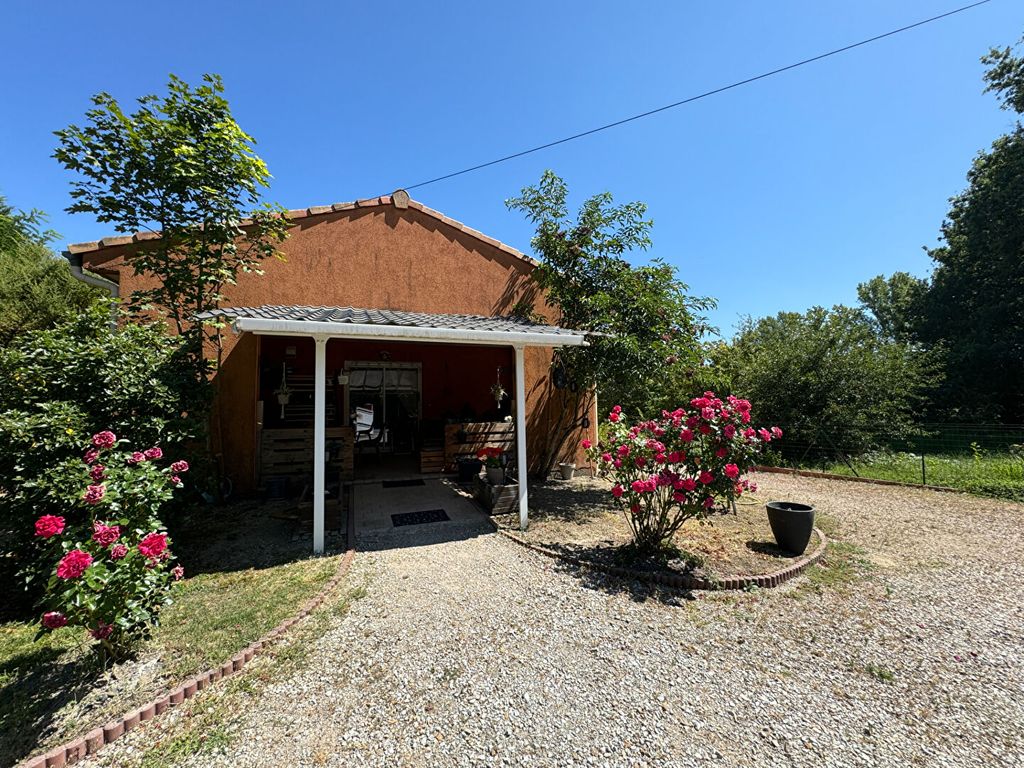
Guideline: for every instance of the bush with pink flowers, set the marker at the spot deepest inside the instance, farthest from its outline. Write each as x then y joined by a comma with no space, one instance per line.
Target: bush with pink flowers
684,465
112,567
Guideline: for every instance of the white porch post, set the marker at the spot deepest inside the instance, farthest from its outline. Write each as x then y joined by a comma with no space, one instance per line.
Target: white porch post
524,512
319,440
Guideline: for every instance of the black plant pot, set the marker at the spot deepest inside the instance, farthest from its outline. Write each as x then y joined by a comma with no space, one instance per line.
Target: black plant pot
468,469
792,524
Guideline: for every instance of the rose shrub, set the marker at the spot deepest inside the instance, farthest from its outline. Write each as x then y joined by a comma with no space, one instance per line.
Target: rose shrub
111,565
678,467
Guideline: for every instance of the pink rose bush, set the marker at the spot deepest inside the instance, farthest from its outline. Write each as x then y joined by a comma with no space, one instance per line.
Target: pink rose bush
683,465
113,567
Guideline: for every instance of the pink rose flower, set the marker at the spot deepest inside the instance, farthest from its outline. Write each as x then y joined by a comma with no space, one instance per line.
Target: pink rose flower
617,463
709,502
54,620
73,564
613,416
174,480
153,544
94,494
49,525
729,431
606,457
689,484
98,473
105,439
686,435
765,434
102,631
617,491
623,450
105,535
118,551
705,477
178,572
153,453
776,432
136,458
179,466
90,456
585,444
617,409
732,471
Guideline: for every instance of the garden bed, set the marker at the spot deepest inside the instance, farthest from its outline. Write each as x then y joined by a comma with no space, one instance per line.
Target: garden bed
241,580
578,519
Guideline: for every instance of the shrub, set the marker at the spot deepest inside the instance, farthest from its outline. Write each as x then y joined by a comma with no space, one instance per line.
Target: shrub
109,557
61,385
681,466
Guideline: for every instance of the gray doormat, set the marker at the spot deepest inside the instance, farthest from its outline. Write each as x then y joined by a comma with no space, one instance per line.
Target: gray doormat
418,518
400,483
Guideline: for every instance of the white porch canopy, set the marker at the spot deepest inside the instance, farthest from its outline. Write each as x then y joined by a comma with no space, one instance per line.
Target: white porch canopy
323,323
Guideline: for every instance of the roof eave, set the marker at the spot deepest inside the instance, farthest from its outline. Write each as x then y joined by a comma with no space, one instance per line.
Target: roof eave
266,326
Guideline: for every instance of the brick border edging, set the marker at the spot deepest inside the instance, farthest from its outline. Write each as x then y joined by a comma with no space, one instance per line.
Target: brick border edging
683,580
76,749
852,479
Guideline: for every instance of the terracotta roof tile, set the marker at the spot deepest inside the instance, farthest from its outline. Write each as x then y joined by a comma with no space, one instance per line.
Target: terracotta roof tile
319,210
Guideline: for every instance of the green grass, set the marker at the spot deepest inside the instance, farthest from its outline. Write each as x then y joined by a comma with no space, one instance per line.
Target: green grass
1000,475
213,616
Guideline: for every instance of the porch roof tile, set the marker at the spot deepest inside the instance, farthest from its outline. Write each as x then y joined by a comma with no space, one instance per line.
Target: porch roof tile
391,317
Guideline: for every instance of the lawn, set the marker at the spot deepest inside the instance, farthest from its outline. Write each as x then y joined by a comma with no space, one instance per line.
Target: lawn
1000,475
53,689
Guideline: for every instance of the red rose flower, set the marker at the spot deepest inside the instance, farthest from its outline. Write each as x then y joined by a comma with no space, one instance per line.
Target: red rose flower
179,466
54,620
105,535
118,551
73,564
102,631
98,473
705,477
153,453
90,456
136,458
49,525
105,439
94,494
153,544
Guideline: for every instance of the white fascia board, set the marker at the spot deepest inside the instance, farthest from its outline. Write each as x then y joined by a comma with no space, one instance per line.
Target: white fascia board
270,327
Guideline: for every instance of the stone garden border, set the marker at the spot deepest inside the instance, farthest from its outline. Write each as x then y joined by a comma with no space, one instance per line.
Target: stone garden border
683,580
92,742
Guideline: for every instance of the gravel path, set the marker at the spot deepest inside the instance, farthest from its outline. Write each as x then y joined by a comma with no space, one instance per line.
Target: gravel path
474,651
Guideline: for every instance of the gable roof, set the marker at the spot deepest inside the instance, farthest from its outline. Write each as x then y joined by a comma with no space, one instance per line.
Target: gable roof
352,322
399,199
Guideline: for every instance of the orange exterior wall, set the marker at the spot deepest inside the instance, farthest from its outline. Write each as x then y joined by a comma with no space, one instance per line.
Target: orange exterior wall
373,257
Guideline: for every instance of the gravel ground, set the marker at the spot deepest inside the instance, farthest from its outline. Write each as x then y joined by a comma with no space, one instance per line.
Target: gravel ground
474,651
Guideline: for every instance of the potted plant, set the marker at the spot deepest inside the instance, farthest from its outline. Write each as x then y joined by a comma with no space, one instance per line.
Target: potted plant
492,458
791,524
568,470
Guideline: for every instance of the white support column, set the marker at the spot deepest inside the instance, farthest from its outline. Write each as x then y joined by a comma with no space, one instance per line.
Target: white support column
524,512
319,440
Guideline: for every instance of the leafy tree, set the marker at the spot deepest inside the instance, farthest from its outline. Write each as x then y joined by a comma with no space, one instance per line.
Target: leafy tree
641,318
37,289
181,167
830,377
896,303
58,387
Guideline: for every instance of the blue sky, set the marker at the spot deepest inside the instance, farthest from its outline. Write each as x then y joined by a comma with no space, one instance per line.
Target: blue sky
775,196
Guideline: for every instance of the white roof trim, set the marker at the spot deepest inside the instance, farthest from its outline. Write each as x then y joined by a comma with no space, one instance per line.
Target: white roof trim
262,326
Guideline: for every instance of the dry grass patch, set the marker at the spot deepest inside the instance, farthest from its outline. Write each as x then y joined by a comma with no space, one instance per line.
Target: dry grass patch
580,518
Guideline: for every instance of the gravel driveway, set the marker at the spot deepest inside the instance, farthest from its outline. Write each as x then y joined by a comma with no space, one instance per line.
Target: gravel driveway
474,651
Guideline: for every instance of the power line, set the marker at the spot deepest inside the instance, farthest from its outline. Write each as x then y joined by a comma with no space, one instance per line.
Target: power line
700,96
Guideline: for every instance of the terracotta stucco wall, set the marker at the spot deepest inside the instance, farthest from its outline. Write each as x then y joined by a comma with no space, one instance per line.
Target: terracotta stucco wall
374,257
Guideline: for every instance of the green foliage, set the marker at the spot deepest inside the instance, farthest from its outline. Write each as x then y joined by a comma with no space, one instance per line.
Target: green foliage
182,167
37,289
641,318
971,312
108,507
827,376
61,385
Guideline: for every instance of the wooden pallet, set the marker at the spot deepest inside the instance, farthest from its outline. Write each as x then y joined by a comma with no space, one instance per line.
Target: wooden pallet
289,452
432,459
464,440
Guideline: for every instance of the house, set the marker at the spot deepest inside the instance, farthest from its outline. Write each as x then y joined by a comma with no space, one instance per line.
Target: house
383,340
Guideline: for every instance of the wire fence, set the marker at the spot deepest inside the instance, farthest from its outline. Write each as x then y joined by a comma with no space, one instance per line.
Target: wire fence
987,459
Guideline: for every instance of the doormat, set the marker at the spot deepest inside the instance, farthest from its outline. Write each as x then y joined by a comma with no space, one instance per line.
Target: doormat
417,518
400,483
